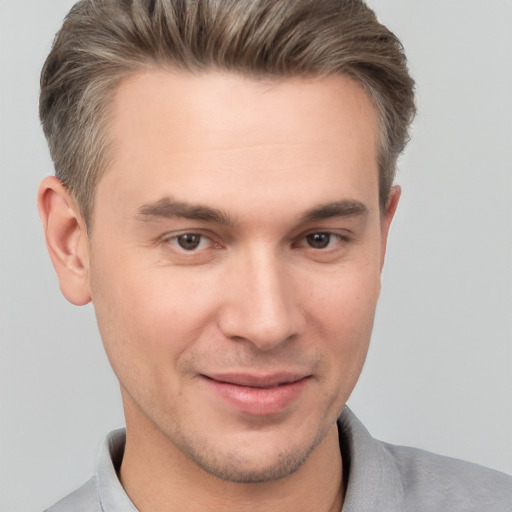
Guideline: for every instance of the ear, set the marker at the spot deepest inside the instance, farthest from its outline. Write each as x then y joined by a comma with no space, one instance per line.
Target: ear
394,197
66,239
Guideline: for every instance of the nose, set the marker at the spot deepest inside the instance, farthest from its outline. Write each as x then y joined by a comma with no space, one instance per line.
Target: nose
261,305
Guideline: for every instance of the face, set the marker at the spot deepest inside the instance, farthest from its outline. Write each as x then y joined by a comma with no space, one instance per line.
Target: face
235,262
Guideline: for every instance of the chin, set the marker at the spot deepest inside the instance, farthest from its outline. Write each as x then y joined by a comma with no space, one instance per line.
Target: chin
235,468
251,463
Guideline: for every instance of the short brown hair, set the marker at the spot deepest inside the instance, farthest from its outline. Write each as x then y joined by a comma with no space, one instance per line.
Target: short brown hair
103,41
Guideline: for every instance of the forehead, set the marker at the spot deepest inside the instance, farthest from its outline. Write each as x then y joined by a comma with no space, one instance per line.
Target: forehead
215,137
223,104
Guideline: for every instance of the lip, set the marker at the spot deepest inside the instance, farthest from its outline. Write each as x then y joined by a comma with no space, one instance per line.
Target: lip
258,395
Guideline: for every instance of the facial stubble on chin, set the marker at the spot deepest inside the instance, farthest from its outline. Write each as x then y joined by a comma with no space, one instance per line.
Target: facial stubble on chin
230,466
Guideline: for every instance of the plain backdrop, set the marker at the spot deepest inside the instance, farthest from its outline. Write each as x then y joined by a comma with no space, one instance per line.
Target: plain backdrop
439,371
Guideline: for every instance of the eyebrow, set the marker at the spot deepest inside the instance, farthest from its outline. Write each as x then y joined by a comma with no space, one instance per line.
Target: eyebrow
169,208
343,208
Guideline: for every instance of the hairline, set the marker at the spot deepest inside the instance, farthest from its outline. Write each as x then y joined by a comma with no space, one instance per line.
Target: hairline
167,66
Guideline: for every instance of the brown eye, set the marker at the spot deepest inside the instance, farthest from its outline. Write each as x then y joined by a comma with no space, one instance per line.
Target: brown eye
189,241
319,240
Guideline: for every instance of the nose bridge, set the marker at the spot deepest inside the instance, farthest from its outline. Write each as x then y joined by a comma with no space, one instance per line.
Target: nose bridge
261,306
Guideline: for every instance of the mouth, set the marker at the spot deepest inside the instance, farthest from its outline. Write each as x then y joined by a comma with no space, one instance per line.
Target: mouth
258,395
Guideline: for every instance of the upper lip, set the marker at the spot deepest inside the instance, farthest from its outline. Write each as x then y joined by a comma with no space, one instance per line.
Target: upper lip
257,381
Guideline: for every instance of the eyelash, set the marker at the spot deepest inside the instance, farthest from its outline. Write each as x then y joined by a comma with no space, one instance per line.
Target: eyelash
308,238
301,241
174,240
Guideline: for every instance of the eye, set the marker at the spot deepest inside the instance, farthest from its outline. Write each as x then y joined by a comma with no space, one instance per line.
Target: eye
321,240
190,241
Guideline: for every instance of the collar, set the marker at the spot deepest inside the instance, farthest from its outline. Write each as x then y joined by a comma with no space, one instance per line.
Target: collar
374,481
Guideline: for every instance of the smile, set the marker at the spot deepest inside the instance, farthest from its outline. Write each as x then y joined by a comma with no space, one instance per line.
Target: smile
258,395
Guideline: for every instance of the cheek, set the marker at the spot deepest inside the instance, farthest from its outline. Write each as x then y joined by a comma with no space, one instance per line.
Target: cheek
347,298
343,321
147,316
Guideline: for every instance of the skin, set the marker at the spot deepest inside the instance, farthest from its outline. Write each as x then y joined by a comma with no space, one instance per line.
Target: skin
275,187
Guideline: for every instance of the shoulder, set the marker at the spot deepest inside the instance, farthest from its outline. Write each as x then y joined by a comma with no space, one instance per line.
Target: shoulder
391,478
84,499
435,482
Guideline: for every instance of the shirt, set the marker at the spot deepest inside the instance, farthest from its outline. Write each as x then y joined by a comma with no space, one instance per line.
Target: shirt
381,478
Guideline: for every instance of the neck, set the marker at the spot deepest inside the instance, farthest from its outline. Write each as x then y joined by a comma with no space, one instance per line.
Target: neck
158,477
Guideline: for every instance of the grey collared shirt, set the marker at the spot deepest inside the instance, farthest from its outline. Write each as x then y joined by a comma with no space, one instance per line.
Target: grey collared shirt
381,478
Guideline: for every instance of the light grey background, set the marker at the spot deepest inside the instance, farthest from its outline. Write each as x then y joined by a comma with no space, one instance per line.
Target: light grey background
439,372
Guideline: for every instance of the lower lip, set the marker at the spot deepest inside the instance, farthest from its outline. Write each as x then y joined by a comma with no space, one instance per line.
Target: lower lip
258,401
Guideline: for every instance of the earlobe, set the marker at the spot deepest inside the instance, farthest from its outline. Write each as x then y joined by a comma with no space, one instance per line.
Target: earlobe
66,239
391,206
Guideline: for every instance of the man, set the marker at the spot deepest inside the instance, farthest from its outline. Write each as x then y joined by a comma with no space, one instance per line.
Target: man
223,195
